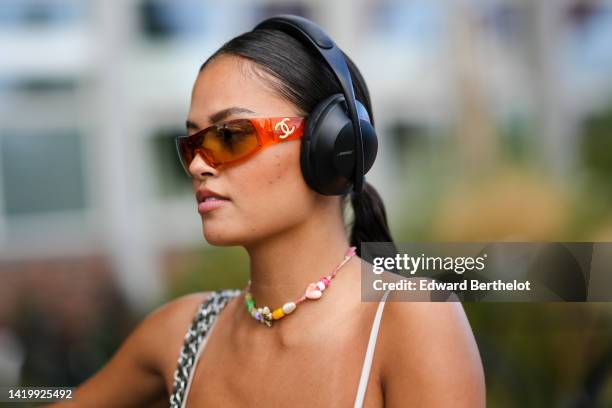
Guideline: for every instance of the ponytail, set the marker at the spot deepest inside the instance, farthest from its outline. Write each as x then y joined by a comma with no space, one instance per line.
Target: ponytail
370,219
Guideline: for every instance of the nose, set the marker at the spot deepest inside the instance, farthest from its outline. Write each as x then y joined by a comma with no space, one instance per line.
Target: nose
199,168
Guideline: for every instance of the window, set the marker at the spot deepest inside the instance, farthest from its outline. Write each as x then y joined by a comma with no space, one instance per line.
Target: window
41,173
416,25
170,177
175,19
40,12
41,146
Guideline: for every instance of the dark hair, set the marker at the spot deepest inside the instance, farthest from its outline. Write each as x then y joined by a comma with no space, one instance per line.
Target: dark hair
308,82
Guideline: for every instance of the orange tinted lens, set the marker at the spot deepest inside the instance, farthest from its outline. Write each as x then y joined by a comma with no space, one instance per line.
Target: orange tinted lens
230,141
185,151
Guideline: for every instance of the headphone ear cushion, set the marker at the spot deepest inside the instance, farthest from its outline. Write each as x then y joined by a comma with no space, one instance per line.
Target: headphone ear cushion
328,137
316,158
370,145
368,134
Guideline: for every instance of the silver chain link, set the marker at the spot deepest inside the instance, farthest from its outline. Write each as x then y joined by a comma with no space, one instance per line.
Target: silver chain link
203,320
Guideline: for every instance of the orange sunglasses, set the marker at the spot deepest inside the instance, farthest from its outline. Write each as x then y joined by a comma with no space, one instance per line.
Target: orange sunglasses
237,140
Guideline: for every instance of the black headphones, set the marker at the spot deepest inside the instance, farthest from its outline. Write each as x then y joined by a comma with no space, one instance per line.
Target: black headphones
339,144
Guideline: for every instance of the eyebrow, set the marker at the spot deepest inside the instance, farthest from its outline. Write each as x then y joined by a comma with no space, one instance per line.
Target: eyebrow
219,116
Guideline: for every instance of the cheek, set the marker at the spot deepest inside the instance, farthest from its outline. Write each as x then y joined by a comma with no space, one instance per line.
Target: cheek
270,189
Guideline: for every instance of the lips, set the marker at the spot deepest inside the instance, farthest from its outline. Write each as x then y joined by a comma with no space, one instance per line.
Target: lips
209,200
205,194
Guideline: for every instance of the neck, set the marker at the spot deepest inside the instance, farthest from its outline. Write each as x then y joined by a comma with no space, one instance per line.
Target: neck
283,265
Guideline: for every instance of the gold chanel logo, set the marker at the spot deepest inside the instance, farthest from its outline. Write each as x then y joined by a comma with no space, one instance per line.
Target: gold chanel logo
284,128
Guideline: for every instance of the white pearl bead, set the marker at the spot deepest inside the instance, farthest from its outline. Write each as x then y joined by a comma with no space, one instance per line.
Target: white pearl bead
313,294
321,286
288,307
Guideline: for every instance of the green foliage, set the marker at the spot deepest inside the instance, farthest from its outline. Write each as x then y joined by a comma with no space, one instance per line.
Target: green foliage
215,268
597,147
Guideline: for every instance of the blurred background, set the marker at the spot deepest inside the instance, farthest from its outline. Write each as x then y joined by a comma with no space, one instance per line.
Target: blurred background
494,118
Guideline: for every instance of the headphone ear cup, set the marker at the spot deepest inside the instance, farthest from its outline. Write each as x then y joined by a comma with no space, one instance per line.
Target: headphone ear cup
368,134
323,126
370,144
327,155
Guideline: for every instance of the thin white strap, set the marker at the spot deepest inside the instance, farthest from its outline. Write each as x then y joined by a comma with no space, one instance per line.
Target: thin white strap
367,363
195,363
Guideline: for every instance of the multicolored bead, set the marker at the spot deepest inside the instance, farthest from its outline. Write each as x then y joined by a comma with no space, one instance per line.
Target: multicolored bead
313,291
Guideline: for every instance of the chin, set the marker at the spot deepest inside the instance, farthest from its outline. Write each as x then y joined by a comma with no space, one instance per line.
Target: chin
220,236
218,239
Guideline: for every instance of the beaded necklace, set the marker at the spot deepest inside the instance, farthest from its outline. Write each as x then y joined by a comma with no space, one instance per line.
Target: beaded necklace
313,291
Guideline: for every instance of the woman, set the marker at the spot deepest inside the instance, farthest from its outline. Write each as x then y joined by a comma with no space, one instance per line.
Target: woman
321,346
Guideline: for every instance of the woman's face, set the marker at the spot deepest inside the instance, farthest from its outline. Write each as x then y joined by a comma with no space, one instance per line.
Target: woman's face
267,192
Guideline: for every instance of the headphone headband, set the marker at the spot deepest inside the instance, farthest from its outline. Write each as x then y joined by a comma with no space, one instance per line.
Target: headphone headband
313,36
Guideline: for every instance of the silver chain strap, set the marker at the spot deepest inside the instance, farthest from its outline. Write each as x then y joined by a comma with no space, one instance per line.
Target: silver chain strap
203,320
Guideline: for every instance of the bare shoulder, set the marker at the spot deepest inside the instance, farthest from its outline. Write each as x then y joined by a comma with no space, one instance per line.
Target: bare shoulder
168,324
430,356
176,313
142,362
